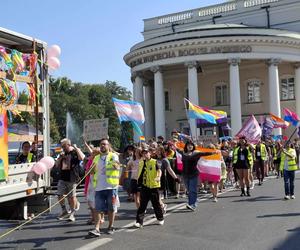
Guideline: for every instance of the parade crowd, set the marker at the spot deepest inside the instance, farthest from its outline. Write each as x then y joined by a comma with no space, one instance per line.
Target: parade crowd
149,172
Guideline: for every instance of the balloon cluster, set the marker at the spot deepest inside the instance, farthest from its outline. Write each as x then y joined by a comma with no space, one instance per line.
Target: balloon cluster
43,165
53,54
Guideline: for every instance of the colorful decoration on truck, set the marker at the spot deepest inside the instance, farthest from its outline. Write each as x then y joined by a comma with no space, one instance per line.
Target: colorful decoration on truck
3,146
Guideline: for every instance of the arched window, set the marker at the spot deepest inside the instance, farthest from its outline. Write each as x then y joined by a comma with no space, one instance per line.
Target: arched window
253,90
221,94
287,84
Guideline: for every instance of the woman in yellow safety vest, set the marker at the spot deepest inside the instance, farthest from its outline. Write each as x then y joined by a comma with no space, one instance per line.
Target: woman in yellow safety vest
243,161
288,165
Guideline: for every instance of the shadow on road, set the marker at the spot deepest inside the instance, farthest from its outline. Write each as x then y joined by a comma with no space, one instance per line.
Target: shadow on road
293,241
258,198
279,215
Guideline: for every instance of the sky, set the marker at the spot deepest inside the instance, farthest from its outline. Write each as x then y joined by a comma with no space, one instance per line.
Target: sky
94,35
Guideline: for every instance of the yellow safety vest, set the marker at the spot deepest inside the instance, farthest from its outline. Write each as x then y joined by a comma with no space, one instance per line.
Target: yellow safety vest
150,172
263,152
29,157
274,153
112,174
292,165
235,156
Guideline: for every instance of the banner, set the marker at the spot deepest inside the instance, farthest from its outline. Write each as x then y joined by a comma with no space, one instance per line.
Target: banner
251,130
3,146
96,129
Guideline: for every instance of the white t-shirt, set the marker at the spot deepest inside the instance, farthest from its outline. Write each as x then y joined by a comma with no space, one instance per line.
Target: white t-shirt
101,181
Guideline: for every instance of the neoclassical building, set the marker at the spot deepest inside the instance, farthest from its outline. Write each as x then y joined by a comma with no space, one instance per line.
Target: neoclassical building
240,56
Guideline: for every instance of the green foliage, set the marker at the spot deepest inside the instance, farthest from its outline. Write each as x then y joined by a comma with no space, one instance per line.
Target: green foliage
84,102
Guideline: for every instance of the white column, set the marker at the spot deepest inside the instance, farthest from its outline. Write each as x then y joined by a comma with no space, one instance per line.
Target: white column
138,96
297,87
274,96
149,118
235,96
159,102
193,92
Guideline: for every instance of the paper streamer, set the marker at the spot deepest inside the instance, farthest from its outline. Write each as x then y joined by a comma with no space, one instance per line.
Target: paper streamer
3,146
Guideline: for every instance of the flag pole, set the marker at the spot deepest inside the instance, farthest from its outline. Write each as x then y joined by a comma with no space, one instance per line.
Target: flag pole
184,101
290,137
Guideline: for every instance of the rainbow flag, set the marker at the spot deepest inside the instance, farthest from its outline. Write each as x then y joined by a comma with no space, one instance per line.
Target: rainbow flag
196,112
291,117
210,168
142,139
3,146
278,122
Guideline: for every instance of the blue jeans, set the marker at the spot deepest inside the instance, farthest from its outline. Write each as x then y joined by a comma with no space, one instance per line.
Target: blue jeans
289,177
191,184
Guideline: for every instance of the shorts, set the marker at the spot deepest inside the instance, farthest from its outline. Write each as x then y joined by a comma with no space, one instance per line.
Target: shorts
66,187
134,187
90,197
106,200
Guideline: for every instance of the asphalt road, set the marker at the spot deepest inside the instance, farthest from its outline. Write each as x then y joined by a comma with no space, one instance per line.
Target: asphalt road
262,221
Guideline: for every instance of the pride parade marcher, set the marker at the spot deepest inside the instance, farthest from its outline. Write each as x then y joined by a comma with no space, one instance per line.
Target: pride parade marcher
68,165
133,167
260,159
288,165
149,180
106,173
190,172
242,159
165,167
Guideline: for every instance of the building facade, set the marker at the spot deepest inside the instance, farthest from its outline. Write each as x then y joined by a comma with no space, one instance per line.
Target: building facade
241,56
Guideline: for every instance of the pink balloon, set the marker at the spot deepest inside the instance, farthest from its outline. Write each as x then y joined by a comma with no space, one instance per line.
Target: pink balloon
48,161
53,63
39,168
54,51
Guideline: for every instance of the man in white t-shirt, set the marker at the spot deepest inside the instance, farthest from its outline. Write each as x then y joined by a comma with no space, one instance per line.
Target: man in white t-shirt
106,175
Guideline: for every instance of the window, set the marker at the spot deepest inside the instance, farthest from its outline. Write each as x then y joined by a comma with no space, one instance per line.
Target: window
221,94
287,88
253,89
167,100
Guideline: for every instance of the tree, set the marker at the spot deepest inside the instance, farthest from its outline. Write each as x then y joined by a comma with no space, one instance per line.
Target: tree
84,102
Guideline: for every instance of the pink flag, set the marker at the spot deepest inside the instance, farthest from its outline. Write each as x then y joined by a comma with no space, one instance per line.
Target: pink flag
210,168
251,130
179,162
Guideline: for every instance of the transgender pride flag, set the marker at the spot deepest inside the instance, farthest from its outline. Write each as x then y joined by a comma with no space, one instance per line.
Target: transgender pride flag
210,168
129,111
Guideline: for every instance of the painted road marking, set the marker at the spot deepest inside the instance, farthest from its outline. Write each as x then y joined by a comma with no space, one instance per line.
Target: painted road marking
95,244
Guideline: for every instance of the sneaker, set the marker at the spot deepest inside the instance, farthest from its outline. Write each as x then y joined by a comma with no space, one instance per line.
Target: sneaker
110,230
161,222
94,232
293,197
183,196
204,192
252,185
177,196
78,206
190,207
286,197
63,215
215,199
71,217
138,225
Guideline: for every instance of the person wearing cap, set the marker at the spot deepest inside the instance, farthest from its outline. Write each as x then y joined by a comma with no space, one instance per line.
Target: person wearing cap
68,165
243,160
288,165
149,180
